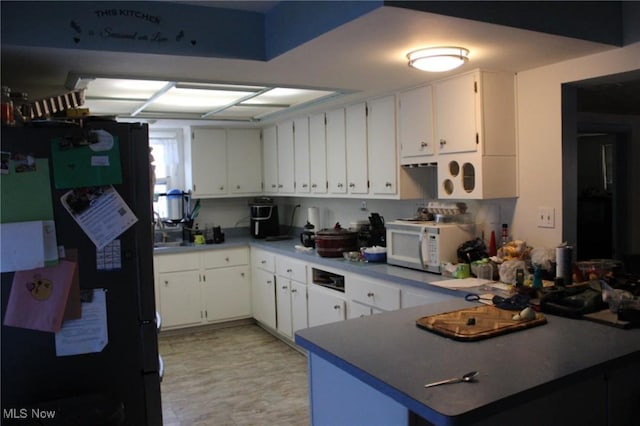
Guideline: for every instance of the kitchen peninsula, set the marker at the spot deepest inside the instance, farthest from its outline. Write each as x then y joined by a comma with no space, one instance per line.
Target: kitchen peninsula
373,370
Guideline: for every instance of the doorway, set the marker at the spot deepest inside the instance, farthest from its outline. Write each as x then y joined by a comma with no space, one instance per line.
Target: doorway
601,145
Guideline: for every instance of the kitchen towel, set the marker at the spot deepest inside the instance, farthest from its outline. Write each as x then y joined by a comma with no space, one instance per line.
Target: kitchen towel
313,217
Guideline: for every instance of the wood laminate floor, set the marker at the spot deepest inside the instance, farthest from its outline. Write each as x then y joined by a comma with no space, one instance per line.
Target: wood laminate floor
232,376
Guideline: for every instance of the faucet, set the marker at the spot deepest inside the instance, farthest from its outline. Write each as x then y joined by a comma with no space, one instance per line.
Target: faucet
160,224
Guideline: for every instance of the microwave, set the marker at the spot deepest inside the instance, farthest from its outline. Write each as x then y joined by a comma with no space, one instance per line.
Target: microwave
426,245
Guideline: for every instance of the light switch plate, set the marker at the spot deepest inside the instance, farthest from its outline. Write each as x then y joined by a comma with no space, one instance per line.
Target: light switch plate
546,217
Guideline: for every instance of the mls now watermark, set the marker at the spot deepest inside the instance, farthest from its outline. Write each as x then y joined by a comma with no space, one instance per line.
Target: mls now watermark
27,413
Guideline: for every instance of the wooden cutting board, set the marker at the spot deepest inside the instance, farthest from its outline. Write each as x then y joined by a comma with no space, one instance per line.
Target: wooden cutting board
480,322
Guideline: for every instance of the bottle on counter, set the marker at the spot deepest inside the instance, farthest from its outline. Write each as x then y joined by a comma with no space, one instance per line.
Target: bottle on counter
492,244
7,107
504,239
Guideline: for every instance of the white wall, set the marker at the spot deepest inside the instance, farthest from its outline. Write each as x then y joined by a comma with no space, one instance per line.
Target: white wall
539,120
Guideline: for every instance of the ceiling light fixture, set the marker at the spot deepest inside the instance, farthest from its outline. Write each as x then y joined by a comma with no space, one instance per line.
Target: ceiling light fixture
438,59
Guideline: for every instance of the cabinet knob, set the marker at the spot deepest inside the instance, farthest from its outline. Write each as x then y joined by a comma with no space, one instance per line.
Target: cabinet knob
237,186
166,283
269,282
340,185
443,142
242,274
289,270
370,294
313,185
352,185
388,184
226,259
280,185
263,261
273,185
293,290
336,307
423,144
304,185
284,287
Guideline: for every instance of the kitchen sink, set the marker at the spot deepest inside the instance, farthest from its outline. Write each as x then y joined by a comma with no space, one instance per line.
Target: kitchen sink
168,244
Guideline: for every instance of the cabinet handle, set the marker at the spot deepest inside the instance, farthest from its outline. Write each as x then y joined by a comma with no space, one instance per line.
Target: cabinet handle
269,282
293,290
263,261
226,259
313,185
204,278
388,184
166,283
237,186
423,144
352,185
242,274
273,185
289,270
443,142
370,294
304,185
340,185
284,287
221,188
336,307
279,185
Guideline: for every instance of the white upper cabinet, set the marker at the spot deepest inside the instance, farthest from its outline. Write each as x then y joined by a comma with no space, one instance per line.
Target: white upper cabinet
478,159
382,164
286,158
457,115
415,126
270,159
336,151
356,148
206,158
245,161
318,154
301,153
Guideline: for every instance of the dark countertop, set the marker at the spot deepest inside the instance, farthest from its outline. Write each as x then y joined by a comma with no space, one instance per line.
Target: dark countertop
381,271
390,353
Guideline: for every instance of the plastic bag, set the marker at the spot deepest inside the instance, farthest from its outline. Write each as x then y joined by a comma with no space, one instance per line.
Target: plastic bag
508,270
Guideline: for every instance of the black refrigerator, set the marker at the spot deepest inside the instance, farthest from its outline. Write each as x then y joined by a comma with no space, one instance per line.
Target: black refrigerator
121,383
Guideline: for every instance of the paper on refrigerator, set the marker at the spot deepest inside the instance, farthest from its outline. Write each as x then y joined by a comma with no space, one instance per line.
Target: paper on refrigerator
100,211
89,333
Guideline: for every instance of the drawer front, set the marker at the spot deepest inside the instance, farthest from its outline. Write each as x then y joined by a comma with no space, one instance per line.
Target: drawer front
291,268
222,258
373,293
263,259
178,262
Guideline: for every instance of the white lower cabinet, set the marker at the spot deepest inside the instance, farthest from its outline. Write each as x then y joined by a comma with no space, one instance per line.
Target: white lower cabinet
202,287
291,295
373,293
263,287
179,294
325,306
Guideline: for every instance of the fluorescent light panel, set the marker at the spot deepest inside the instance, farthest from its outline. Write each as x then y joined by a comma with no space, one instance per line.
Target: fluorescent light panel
114,96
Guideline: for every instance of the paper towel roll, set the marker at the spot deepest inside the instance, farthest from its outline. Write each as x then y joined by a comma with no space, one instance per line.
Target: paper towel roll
563,263
313,216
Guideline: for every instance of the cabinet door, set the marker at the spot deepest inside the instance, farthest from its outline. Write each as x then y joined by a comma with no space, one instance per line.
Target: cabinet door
301,153
318,154
381,125
325,307
415,126
455,111
286,158
245,161
226,293
270,159
283,306
208,171
263,297
356,147
373,293
358,310
336,152
180,299
299,318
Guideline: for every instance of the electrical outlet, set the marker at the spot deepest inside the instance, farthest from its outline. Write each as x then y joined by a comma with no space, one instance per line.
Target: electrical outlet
546,217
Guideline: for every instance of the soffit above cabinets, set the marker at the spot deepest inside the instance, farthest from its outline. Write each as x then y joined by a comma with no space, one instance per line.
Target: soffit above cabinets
129,98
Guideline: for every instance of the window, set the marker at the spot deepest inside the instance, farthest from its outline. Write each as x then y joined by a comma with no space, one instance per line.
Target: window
169,171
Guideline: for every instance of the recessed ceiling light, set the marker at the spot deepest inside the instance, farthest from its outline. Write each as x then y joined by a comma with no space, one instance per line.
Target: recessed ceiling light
438,59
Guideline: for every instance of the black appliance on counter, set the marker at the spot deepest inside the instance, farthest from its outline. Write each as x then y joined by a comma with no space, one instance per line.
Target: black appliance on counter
373,234
264,218
122,381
